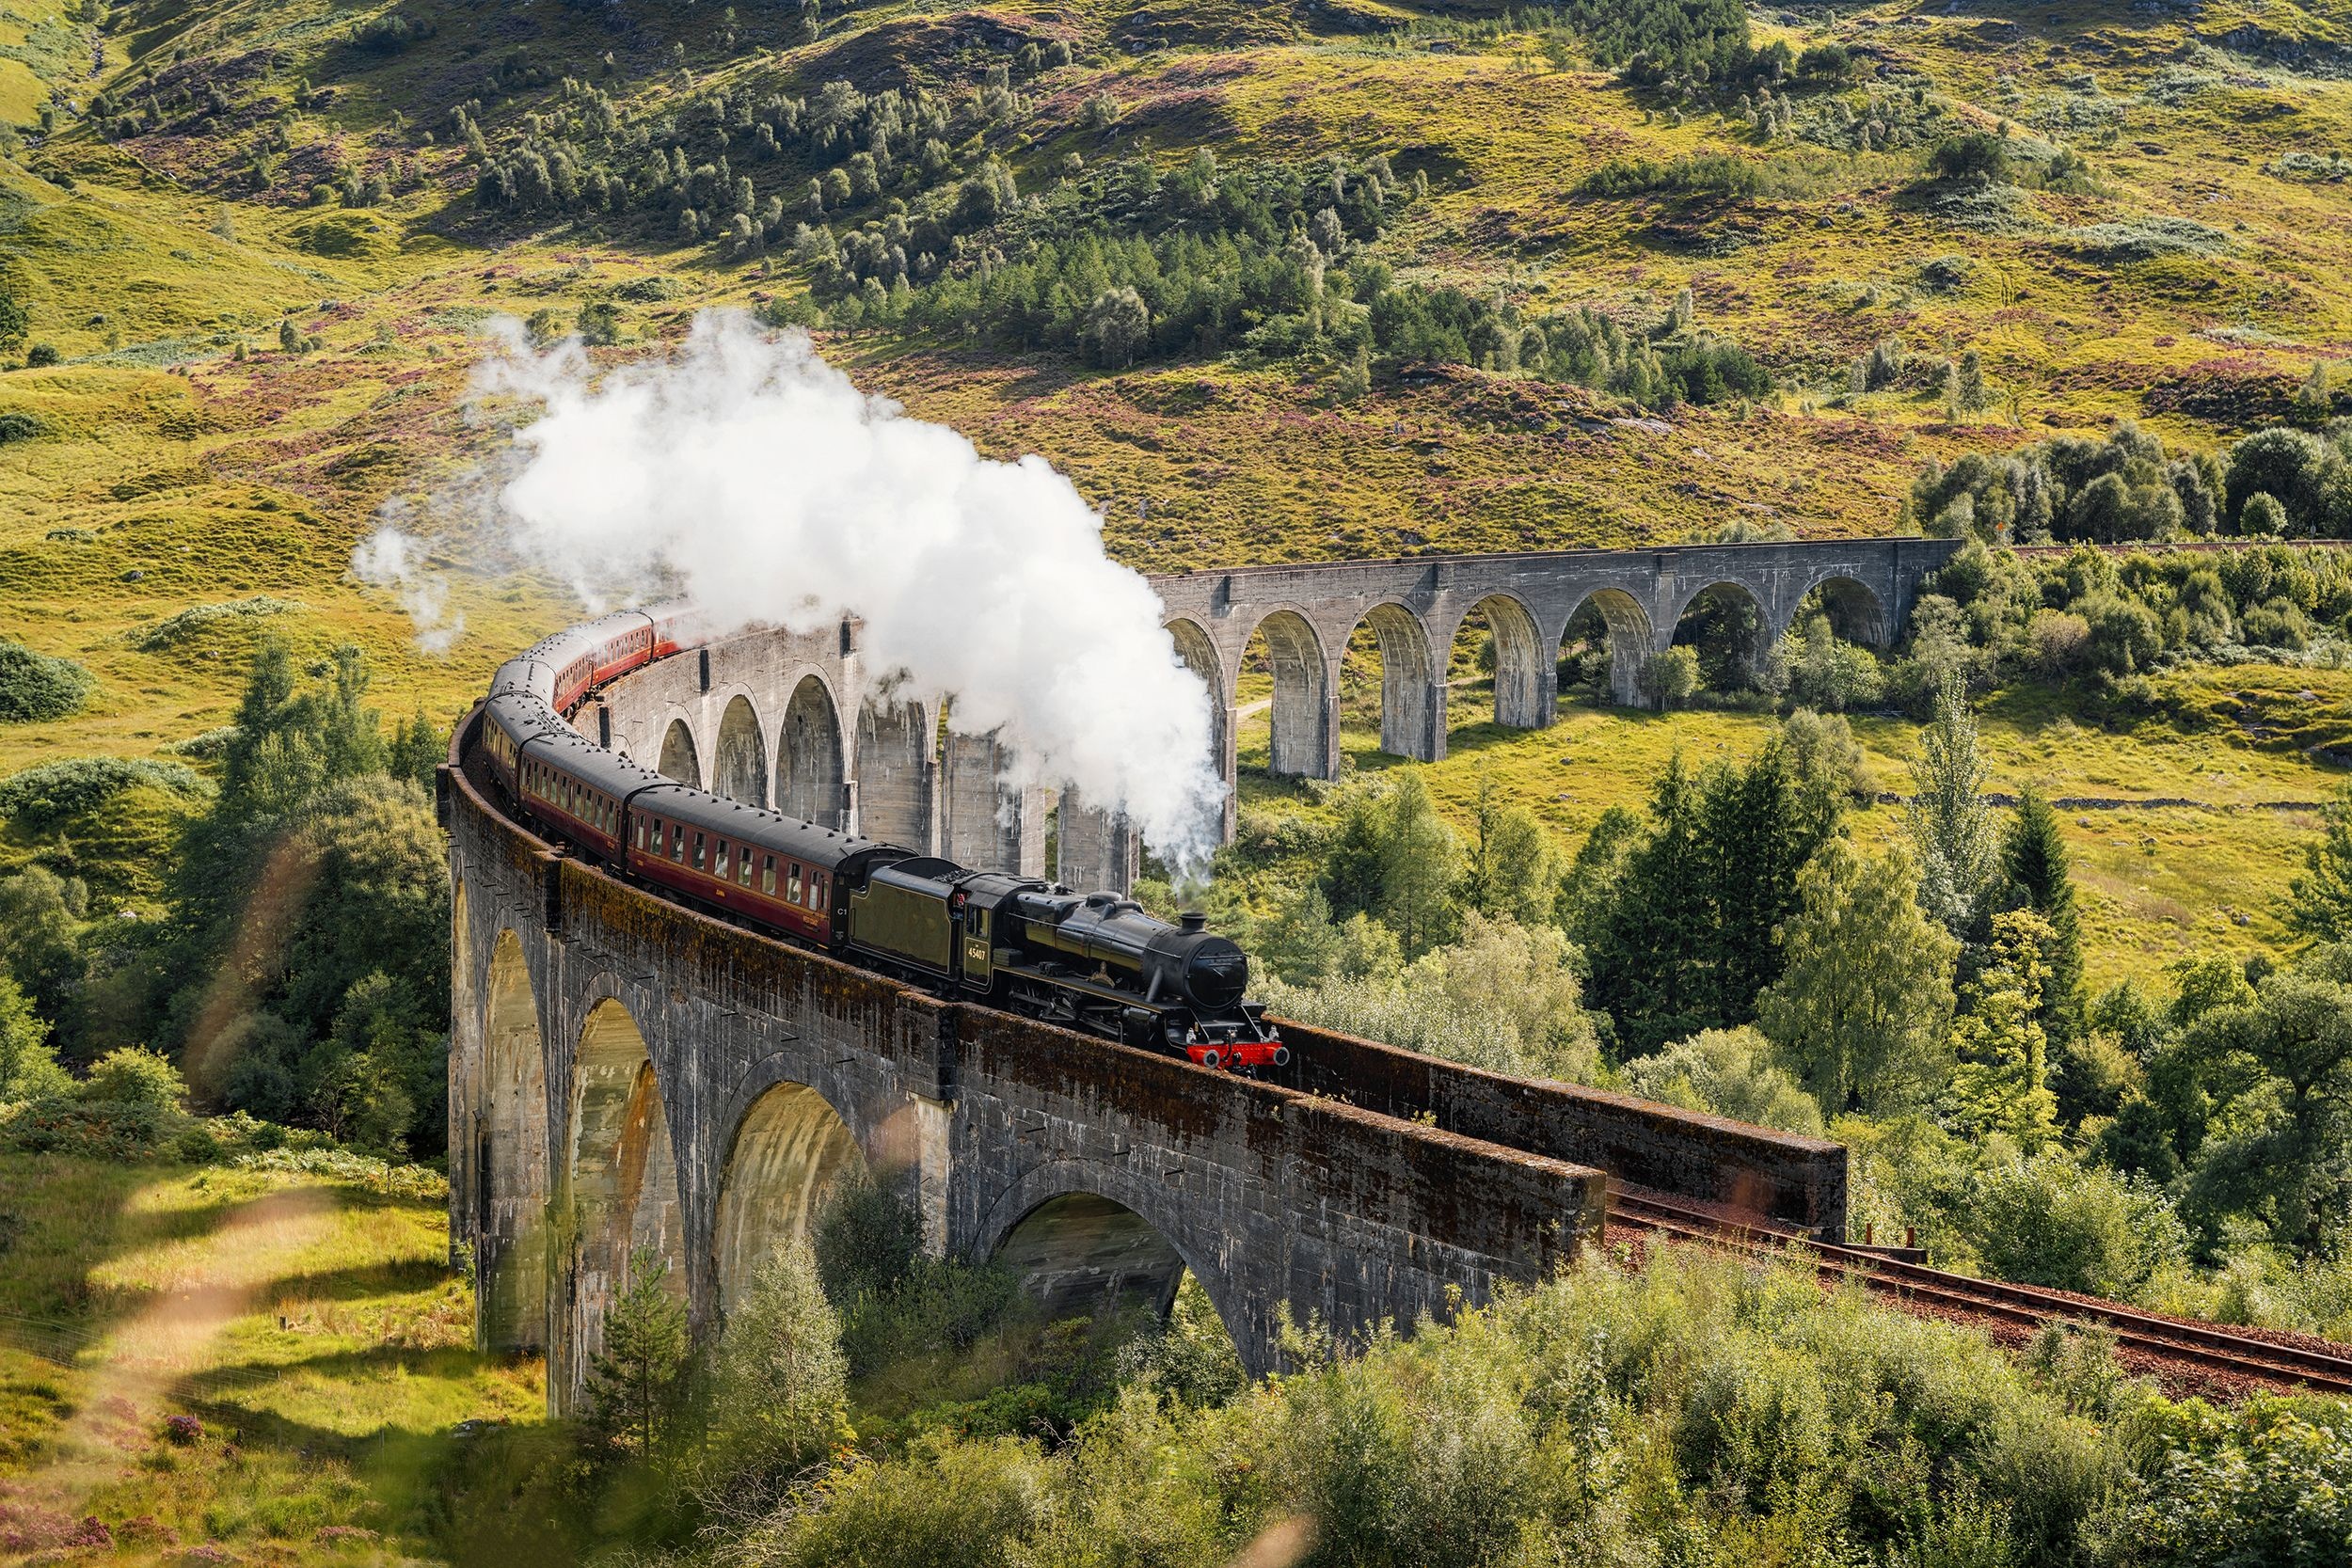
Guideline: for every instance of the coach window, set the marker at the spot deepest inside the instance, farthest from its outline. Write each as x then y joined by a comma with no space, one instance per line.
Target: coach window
698,851
677,843
767,874
719,860
792,886
640,832
744,869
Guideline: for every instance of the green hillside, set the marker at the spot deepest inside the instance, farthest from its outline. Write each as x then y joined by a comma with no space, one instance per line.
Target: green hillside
181,185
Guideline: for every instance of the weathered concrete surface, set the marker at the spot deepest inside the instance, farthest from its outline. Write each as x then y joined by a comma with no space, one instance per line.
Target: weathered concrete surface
599,1031
1778,1176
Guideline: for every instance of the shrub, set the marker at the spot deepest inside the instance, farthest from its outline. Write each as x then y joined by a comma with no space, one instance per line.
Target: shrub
56,789
1728,1073
40,356
18,427
2049,1220
1671,679
2265,1484
197,619
134,1075
87,1128
36,686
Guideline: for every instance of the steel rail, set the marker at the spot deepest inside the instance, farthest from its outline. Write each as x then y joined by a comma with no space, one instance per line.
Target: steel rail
2204,1345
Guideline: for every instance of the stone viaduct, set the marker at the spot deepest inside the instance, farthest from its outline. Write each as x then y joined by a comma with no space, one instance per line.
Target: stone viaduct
1415,607
797,721
626,1073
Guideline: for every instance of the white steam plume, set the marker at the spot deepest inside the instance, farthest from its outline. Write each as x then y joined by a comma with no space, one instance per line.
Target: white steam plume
393,558
756,478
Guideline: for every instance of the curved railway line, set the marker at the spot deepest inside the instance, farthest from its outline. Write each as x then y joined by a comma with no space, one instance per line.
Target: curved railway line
2209,1352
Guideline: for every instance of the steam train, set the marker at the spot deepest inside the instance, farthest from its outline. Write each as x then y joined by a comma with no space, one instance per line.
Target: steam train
1095,963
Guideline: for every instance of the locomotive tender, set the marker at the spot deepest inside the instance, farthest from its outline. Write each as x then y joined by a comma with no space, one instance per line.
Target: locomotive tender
1095,961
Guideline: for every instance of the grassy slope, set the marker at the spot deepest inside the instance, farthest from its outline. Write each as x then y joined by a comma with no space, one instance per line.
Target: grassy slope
313,1327
175,474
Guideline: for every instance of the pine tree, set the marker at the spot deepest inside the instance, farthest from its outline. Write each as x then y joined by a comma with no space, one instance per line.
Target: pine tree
2035,860
1951,827
1646,957
633,1381
1511,869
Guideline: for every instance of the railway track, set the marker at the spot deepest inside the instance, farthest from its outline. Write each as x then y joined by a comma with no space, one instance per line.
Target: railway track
2206,1348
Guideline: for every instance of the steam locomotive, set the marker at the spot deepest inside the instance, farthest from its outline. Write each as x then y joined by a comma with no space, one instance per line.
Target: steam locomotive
1095,963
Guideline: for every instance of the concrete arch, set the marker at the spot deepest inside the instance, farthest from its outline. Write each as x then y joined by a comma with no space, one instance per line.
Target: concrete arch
1630,640
1523,662
790,1151
1412,699
1300,743
1080,1234
809,763
1854,609
623,1171
679,759
896,741
511,1156
1737,661
740,768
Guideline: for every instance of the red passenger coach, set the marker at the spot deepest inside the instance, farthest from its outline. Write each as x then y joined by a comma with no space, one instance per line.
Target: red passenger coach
581,788
743,859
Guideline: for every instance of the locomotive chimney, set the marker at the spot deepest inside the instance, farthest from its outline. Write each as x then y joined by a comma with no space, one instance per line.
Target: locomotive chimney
1193,920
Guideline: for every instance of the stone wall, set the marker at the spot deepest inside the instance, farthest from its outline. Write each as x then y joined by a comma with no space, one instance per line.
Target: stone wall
1779,1176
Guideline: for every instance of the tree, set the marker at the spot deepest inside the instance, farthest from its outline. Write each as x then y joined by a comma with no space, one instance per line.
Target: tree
1118,325
1670,677
15,321
633,1381
2320,900
2001,1075
1396,859
1951,825
1644,954
2035,862
2280,1069
1861,1009
29,1065
778,1384
41,924
1977,157
1511,869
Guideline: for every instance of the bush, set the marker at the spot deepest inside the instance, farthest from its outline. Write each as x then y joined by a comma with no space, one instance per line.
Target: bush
18,427
89,1129
41,357
134,1075
1671,679
35,686
43,794
1726,1072
2268,1483
2049,1220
